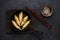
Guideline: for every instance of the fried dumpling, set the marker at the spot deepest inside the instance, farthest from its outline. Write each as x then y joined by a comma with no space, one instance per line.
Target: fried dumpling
21,17
26,24
24,20
15,25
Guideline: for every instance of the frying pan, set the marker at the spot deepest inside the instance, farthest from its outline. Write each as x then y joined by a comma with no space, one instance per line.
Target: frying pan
25,13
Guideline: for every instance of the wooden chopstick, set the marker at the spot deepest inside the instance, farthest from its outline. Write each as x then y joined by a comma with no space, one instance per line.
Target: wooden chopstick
38,17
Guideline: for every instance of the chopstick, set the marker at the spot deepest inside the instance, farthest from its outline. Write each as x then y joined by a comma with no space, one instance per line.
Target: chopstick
33,13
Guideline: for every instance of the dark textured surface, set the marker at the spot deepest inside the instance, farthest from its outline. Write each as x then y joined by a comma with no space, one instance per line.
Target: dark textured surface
48,34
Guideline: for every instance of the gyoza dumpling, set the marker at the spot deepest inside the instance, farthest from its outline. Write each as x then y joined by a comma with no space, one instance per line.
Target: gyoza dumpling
24,20
21,17
26,24
15,25
17,20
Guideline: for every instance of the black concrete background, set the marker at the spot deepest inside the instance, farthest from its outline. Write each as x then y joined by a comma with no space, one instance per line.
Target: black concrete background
48,34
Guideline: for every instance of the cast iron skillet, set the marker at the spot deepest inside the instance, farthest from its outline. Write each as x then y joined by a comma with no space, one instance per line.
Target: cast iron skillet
25,13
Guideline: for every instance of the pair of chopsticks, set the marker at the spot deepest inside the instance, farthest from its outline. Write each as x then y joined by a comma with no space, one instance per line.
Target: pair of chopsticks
33,13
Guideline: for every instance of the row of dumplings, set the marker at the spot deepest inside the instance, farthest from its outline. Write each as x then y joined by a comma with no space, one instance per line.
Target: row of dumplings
20,22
